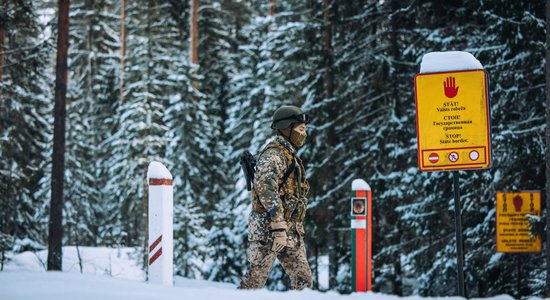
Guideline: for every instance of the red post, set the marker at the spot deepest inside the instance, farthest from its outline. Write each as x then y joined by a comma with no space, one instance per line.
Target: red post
361,228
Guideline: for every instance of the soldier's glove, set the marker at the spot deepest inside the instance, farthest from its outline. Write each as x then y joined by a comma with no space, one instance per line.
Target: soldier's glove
279,241
278,230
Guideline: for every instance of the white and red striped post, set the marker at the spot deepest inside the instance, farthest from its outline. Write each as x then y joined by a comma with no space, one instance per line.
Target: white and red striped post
161,212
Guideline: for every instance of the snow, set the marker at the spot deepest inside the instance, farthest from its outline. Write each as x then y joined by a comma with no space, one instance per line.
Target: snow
449,61
119,262
66,286
360,185
24,277
495,258
158,171
323,263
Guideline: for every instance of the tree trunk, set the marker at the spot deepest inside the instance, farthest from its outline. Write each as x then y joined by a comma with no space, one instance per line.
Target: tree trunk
395,53
272,7
122,47
2,48
194,37
398,283
547,154
329,79
332,138
58,158
398,108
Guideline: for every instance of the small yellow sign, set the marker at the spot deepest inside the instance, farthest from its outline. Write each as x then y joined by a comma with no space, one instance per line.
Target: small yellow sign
452,120
513,231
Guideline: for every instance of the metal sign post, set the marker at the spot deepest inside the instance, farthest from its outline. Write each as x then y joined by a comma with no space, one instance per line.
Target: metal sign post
453,127
361,236
458,235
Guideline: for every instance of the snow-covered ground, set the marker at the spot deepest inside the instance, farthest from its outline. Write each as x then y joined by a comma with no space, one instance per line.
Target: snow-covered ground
113,274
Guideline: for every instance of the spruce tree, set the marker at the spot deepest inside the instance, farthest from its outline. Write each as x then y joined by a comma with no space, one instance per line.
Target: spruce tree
188,126
91,93
25,125
140,134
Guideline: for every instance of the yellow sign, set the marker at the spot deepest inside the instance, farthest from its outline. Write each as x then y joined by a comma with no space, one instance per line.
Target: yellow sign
513,231
452,120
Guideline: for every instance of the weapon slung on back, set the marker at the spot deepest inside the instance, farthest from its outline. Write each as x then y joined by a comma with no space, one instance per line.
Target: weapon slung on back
248,164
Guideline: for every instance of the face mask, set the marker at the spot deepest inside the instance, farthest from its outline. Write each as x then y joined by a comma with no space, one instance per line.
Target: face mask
297,138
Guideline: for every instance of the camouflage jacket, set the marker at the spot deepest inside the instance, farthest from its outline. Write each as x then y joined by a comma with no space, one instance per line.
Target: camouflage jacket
274,200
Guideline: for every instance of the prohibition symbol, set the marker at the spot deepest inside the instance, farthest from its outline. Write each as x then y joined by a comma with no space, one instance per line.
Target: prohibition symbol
433,158
474,155
453,156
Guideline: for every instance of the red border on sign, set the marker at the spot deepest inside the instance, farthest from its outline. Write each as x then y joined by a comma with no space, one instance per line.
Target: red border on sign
488,130
456,149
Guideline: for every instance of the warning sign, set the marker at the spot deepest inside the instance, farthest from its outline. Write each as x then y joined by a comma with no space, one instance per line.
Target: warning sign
513,231
452,119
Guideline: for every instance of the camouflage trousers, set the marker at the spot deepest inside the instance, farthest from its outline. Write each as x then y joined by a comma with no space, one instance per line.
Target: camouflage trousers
261,258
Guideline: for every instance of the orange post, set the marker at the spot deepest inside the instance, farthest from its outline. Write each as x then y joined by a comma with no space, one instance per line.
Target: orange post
361,235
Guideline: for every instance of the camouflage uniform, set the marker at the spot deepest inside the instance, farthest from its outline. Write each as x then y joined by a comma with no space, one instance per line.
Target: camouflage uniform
276,201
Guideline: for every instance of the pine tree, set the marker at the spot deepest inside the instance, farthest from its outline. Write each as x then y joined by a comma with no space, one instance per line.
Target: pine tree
55,228
91,93
25,125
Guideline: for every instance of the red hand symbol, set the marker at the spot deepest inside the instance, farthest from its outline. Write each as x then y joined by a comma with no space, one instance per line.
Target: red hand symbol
449,86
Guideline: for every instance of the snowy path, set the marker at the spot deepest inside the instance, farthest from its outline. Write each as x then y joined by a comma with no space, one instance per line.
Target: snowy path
26,285
24,278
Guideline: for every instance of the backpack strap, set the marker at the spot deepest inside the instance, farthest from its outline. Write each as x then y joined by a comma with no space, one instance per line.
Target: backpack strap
289,169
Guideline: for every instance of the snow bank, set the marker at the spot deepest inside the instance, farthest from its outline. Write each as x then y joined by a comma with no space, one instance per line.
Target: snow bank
360,185
158,171
66,286
24,278
449,61
118,262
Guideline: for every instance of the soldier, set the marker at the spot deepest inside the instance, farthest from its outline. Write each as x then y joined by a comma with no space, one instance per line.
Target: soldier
279,204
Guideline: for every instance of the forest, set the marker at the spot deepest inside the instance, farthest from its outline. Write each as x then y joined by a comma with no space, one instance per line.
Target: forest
141,88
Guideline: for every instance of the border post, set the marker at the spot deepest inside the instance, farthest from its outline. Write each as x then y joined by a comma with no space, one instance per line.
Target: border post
361,236
160,219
